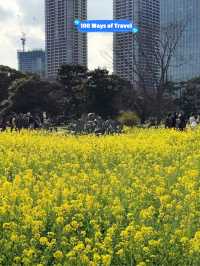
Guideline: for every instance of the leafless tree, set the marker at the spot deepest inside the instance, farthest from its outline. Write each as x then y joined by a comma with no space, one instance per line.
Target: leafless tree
155,67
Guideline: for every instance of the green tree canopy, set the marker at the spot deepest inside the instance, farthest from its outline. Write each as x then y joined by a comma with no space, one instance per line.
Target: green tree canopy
73,79
7,76
103,92
35,95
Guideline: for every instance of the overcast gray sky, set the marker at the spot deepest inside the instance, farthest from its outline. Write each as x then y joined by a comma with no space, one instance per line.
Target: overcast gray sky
27,16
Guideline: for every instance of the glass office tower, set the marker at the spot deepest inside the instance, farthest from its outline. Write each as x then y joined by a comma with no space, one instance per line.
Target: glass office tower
32,62
186,61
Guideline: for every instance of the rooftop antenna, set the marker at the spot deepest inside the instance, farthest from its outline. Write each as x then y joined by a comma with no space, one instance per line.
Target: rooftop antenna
23,40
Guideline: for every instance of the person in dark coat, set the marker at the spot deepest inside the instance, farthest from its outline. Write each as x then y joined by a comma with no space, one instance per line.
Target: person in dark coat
37,122
13,122
3,123
19,122
181,122
174,117
169,121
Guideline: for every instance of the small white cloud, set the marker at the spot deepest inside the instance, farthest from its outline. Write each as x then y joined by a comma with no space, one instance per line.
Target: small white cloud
10,5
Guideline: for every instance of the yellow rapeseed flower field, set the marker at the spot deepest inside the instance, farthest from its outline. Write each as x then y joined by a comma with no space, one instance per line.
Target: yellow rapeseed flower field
132,199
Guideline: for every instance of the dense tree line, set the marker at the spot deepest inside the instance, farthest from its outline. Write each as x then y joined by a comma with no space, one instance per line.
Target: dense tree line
78,91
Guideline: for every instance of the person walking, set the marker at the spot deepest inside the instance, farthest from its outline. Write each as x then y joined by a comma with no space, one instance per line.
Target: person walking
174,117
192,121
181,122
13,122
3,123
169,121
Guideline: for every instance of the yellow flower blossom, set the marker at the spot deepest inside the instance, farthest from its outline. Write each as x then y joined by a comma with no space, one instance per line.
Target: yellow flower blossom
44,241
58,255
87,200
106,260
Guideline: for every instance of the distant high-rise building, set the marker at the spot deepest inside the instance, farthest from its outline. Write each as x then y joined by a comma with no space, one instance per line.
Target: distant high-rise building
186,61
32,62
129,48
64,44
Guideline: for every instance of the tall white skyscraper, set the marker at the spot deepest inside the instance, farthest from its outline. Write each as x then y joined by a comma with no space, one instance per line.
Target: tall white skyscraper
64,44
129,48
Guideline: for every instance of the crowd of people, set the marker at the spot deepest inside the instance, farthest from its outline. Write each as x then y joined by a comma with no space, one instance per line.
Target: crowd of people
23,121
95,124
90,123
179,121
87,124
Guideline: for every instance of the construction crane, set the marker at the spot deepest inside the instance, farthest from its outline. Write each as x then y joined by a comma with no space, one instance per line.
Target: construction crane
23,30
23,40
